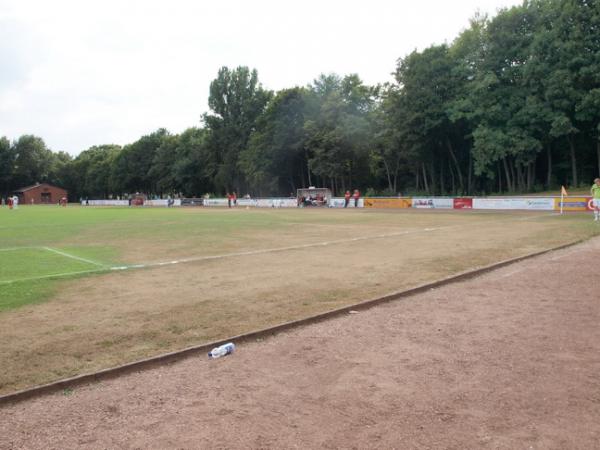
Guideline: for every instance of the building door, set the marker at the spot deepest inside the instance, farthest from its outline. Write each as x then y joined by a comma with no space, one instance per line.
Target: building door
46,197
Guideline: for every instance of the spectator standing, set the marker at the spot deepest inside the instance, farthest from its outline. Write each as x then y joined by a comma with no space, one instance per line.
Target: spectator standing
346,199
356,196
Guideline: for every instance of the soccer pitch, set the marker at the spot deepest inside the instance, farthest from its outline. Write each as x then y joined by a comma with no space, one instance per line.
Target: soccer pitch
88,288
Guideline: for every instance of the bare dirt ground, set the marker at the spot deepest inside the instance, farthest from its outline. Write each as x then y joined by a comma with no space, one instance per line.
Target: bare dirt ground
508,360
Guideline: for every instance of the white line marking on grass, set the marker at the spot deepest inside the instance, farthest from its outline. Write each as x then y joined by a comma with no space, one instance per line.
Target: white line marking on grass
273,250
14,249
302,246
105,268
54,275
78,258
538,216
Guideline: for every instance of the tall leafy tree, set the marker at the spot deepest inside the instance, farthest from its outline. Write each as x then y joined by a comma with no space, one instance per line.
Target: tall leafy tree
427,89
91,171
275,160
337,138
236,99
389,153
131,169
32,161
507,138
60,170
162,169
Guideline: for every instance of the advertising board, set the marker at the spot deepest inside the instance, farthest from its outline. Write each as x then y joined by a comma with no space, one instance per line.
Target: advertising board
158,202
387,202
192,202
246,202
463,203
339,202
106,202
433,202
530,203
215,202
574,204
277,202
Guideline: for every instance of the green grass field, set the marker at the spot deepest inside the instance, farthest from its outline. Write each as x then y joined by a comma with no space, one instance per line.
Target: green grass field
88,288
32,237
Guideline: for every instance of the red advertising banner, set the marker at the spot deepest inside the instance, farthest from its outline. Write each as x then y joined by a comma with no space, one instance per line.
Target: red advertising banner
463,203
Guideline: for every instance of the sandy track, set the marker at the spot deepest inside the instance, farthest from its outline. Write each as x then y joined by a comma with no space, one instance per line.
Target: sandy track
508,360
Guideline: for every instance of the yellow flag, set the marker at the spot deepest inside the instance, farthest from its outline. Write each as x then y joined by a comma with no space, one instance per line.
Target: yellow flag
563,191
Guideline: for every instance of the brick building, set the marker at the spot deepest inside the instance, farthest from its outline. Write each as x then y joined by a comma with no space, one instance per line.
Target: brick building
41,194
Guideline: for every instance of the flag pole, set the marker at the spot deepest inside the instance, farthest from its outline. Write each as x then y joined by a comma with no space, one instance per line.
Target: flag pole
561,202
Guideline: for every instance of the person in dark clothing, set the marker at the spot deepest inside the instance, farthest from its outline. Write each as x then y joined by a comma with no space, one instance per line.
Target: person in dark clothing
356,196
346,199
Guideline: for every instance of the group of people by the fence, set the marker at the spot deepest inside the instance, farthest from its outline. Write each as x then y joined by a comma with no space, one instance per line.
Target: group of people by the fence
317,200
231,199
11,202
355,195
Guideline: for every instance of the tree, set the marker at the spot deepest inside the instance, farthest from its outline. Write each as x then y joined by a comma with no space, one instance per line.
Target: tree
7,165
468,54
91,172
60,170
131,169
191,170
507,137
275,159
237,99
566,49
161,171
427,89
338,137
389,154
32,161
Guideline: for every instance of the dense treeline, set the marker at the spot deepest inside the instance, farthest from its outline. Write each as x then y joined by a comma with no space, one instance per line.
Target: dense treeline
513,104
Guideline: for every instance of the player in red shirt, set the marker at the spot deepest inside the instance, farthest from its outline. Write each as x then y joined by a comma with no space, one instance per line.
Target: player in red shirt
346,199
356,196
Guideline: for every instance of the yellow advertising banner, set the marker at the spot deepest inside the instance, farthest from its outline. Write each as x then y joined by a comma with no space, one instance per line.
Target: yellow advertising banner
574,204
388,202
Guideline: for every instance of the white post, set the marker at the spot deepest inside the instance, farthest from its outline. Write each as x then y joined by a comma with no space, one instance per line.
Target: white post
561,201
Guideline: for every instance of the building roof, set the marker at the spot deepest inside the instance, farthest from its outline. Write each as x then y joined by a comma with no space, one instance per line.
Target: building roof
37,185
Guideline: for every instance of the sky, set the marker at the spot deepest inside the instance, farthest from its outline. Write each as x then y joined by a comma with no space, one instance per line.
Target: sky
84,73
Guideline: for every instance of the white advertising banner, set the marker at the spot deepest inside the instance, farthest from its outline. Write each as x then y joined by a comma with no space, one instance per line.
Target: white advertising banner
215,202
246,202
260,202
433,202
158,202
277,203
339,202
531,203
105,202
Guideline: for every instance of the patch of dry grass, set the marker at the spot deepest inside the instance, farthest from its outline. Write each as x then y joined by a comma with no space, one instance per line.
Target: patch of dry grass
110,319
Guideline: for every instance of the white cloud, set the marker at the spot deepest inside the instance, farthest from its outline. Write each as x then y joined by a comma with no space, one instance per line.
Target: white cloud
85,73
